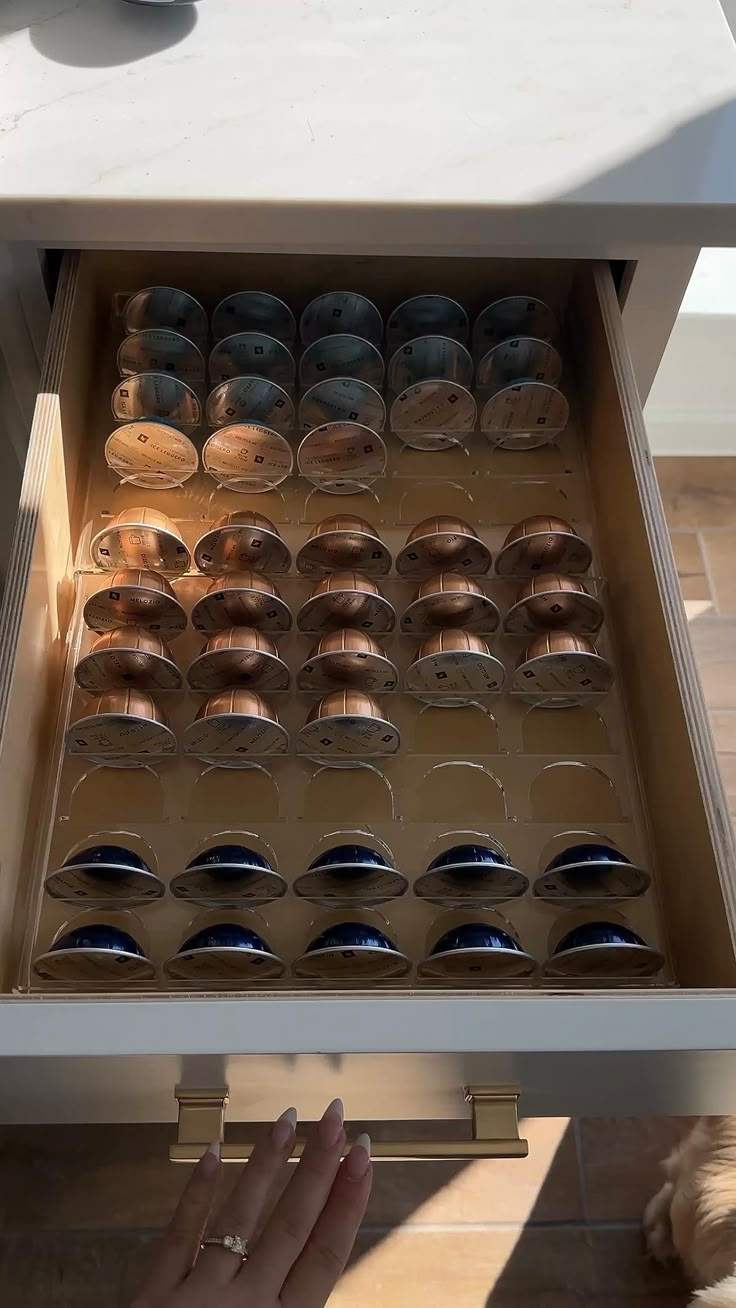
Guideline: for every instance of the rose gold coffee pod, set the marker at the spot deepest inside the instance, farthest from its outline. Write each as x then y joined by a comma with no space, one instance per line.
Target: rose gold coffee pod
343,542
233,727
443,542
525,416
433,415
247,457
240,656
342,458
552,601
348,658
140,538
241,599
157,395
561,669
346,599
454,668
543,543
153,455
123,727
135,597
128,656
242,540
450,600
346,728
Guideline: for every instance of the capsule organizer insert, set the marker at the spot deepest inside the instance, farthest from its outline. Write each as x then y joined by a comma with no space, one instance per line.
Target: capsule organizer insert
505,772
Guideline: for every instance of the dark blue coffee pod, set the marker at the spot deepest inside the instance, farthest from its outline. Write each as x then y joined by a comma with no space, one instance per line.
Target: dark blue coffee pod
94,952
477,951
603,950
351,951
590,872
228,875
225,952
470,874
350,874
104,874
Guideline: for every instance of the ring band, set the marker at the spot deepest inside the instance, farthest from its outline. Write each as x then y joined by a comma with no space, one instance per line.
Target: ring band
233,1243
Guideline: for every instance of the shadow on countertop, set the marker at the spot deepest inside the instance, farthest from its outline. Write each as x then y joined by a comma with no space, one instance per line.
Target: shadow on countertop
100,33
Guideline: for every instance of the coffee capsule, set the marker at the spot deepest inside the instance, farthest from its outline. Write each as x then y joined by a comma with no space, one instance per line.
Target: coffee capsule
252,354
348,658
350,874
135,597
426,315
341,356
352,951
560,670
142,539
248,400
433,415
553,601
99,875
453,668
228,875
513,316
241,599
339,312
254,311
342,399
524,358
474,951
157,396
591,872
123,727
347,726
241,541
443,542
342,458
234,727
543,543
346,599
247,457
153,455
128,656
165,307
603,950
227,952
239,656
340,543
429,358
467,874
450,600
159,349
95,953
525,416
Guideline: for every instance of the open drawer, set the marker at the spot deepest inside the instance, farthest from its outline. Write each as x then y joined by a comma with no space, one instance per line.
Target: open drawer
637,769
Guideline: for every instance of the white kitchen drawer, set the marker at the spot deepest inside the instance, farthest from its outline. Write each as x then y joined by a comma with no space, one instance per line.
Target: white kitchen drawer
406,1052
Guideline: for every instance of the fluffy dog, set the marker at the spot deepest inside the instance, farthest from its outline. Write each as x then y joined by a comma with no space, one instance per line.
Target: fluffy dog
693,1217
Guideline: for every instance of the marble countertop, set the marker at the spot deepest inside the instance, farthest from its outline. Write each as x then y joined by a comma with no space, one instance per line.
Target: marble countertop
573,126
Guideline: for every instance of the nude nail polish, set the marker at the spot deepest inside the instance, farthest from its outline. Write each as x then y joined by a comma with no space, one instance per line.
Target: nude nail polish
210,1160
329,1129
359,1159
283,1129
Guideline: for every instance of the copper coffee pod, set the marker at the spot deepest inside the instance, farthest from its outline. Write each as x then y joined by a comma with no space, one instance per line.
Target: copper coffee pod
94,952
602,949
590,872
124,727
254,311
561,669
343,542
247,457
159,349
165,306
342,458
239,656
341,311
140,538
524,358
224,953
348,658
346,599
239,541
153,455
429,358
433,415
128,656
234,727
250,399
135,597
470,872
241,599
454,668
450,600
426,315
552,601
252,354
476,951
342,399
157,395
543,544
347,726
443,542
515,315
524,416
341,356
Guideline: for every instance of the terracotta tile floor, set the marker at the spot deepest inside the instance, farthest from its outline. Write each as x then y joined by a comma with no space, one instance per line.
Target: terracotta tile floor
78,1206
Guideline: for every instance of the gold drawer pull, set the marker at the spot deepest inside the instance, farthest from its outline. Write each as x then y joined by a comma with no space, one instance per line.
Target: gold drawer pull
494,1126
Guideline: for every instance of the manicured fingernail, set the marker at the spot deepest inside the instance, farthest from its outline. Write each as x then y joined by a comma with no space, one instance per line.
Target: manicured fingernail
329,1129
359,1159
210,1160
283,1129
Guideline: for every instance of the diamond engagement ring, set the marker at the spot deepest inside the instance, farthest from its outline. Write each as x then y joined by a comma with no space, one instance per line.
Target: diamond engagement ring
235,1243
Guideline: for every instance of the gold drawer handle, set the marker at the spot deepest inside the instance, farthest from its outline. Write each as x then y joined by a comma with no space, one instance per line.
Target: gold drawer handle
494,1130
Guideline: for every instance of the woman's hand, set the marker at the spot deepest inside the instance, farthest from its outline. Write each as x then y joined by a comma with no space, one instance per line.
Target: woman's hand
302,1250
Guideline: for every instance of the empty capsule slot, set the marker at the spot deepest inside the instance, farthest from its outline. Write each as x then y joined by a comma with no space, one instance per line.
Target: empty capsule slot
460,792
569,730
320,504
462,731
218,793
117,794
573,792
222,500
525,499
426,499
360,794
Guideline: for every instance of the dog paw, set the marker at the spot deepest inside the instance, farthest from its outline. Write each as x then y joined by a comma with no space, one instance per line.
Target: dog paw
657,1226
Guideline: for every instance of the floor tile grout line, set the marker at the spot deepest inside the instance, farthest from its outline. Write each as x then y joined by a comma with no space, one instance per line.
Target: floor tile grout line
708,572
580,1156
